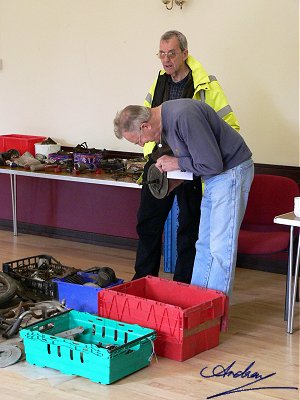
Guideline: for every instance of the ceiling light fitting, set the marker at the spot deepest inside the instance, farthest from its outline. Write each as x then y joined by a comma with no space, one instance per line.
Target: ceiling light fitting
178,2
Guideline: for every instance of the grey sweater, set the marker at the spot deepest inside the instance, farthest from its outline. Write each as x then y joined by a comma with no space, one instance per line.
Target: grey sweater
202,141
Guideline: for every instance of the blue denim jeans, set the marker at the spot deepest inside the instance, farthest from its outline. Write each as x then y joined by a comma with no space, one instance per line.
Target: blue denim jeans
222,210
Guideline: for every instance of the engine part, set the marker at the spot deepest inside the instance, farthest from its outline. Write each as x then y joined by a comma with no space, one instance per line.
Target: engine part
8,288
70,333
9,354
158,182
106,276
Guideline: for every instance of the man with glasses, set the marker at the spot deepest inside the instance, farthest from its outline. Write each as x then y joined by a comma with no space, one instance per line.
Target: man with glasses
182,76
204,144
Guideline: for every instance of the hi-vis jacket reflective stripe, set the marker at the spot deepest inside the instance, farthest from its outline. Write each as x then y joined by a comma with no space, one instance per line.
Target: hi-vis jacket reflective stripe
206,88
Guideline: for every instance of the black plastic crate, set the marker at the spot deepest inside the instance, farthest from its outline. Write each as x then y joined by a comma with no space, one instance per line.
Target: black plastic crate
36,273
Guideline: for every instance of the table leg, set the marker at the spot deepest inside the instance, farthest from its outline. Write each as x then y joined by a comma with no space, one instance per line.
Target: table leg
296,274
289,279
13,189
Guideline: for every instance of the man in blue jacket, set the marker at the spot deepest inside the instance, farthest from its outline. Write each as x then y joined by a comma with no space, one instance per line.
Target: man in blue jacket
201,143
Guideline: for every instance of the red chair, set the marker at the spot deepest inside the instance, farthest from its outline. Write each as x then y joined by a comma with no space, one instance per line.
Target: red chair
270,195
262,244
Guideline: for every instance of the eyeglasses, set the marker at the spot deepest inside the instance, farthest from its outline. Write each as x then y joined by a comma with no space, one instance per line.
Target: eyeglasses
138,142
170,54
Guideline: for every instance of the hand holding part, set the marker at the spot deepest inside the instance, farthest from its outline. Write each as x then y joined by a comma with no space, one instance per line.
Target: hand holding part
167,163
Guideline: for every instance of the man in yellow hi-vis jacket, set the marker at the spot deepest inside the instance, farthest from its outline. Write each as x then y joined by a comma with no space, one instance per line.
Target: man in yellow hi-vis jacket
182,76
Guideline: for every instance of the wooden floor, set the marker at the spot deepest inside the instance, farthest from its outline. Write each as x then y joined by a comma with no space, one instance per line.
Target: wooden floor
257,334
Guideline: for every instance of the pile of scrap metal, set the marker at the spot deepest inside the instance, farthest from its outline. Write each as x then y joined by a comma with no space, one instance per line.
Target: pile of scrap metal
18,306
77,160
36,274
28,293
28,287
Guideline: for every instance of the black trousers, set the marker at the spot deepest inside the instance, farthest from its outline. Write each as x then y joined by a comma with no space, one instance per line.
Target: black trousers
152,215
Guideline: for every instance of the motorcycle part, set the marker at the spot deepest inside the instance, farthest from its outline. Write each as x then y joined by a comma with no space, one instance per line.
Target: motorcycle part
9,354
158,182
8,288
106,276
45,309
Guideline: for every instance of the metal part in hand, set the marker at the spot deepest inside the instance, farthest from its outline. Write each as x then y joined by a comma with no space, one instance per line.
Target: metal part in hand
158,182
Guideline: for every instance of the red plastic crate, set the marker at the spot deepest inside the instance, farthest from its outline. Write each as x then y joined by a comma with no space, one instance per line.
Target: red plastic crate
19,142
187,318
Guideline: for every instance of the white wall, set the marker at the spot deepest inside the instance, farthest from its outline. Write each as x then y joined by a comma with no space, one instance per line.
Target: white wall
69,65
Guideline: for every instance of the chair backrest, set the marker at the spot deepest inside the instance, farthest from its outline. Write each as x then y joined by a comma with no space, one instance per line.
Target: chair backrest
270,195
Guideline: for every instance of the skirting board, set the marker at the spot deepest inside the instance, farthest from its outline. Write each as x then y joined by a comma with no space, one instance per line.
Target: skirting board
75,236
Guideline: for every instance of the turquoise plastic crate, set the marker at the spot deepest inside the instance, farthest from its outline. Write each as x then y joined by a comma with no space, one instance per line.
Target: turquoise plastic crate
80,297
104,352
170,238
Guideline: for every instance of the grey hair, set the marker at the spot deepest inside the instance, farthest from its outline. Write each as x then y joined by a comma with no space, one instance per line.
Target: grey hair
130,119
183,44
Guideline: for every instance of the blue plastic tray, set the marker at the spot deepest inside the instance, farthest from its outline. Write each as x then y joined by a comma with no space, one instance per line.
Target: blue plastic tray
80,297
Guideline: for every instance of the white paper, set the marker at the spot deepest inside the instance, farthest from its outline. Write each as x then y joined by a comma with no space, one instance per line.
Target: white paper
186,176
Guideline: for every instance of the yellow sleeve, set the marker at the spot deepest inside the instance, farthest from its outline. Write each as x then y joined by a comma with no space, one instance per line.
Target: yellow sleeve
215,97
148,147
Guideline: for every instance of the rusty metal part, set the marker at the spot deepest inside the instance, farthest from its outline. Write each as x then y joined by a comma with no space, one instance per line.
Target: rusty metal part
8,288
158,182
9,354
70,333
41,310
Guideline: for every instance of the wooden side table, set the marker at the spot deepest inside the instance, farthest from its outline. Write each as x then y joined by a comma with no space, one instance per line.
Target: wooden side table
291,220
